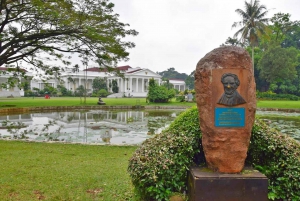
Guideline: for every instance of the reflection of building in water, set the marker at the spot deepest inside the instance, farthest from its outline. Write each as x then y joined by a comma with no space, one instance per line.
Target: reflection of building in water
75,117
115,127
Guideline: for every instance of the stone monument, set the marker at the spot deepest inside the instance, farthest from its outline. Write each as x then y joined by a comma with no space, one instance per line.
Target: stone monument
225,96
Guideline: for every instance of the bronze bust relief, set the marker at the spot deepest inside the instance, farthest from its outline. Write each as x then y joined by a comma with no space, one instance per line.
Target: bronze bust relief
230,97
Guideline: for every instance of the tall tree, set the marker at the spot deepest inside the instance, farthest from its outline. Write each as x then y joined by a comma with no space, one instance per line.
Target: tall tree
190,81
171,73
253,23
279,64
36,31
99,83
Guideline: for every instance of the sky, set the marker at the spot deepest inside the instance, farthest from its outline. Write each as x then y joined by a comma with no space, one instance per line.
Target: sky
178,33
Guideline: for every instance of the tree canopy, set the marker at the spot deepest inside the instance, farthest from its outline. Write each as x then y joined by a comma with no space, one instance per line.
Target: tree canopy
38,32
279,64
253,23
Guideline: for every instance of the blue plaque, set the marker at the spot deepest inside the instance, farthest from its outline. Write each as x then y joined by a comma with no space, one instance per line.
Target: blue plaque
229,117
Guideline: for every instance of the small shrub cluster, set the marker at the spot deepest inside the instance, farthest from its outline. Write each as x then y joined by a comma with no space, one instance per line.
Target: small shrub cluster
159,93
159,166
274,96
180,98
278,157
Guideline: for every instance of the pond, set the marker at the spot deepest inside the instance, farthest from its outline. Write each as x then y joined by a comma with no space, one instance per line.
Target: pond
287,123
113,127
92,127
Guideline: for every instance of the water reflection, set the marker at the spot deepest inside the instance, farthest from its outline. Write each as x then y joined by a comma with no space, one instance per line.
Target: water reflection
94,126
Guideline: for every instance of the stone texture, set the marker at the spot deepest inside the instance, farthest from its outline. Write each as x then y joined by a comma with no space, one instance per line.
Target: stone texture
225,148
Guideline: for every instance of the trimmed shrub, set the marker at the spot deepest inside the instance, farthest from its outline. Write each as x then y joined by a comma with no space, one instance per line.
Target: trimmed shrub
180,98
159,166
278,157
159,93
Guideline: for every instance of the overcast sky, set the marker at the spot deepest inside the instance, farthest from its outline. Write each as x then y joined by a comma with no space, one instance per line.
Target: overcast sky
178,33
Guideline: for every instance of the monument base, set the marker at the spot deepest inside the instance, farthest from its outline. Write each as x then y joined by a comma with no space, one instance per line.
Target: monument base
249,185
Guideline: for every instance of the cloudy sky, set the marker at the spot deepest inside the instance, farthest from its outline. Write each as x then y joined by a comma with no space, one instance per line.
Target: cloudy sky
178,33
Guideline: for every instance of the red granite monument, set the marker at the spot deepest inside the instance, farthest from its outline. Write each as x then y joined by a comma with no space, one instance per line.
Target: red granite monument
225,94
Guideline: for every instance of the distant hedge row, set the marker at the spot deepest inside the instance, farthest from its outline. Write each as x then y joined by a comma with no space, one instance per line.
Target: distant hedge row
273,96
159,166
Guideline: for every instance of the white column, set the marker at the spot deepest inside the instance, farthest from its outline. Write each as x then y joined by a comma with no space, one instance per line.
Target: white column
119,84
142,84
125,83
136,84
130,84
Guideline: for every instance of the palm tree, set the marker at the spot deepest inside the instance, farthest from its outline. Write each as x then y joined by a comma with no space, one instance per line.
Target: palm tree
253,24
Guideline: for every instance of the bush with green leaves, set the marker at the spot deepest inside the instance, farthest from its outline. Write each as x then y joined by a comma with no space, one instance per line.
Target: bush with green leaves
159,166
102,93
278,157
273,96
159,93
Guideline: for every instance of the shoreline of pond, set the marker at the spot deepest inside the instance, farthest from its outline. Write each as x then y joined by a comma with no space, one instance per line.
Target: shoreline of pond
87,107
106,107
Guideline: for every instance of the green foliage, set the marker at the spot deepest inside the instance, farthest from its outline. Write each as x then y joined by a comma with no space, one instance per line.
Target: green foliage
292,36
171,73
253,22
80,91
64,91
98,84
273,96
159,166
159,94
102,93
180,98
278,157
278,64
115,87
190,81
51,28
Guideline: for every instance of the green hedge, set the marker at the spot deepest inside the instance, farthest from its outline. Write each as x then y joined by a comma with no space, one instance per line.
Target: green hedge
159,166
278,157
273,96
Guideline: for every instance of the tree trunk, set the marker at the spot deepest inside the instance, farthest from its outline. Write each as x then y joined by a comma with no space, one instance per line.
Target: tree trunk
253,59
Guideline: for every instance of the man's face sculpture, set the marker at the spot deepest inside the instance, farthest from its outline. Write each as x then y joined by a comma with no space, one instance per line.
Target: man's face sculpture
229,85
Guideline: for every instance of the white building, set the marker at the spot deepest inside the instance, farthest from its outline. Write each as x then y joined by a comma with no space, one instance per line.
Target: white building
134,82
178,84
5,89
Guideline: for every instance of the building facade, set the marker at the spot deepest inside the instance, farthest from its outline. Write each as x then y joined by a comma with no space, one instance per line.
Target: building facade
134,82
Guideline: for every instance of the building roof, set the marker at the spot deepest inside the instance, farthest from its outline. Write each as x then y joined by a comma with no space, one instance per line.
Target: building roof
177,80
98,69
12,69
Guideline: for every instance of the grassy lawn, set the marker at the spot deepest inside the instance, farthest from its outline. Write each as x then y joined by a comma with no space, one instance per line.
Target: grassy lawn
54,171
286,104
43,171
75,101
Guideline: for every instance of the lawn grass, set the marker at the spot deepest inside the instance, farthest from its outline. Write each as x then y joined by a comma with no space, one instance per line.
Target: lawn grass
54,171
284,104
75,101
